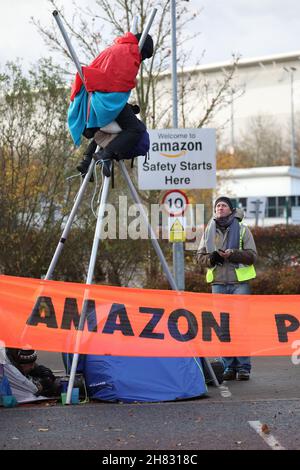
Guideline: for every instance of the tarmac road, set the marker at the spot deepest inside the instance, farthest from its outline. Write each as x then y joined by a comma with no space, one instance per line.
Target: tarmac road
261,414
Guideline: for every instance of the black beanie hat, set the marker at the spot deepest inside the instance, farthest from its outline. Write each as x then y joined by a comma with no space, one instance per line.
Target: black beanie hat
226,200
147,49
26,356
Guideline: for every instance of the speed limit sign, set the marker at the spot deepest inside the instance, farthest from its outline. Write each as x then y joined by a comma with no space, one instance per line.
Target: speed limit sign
175,202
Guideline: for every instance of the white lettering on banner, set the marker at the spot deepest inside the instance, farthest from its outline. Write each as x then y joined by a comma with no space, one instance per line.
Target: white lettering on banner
179,159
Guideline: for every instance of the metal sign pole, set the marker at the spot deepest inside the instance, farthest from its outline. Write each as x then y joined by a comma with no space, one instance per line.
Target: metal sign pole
178,251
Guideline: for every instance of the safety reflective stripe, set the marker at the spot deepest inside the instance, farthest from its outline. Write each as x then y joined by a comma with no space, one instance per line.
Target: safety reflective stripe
210,274
243,272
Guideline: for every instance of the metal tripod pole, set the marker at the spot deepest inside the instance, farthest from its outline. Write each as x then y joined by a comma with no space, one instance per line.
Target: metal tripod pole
146,28
70,220
154,241
68,43
89,280
158,250
98,229
86,180
103,200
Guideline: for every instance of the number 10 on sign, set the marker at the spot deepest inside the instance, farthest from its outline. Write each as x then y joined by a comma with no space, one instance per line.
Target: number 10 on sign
175,202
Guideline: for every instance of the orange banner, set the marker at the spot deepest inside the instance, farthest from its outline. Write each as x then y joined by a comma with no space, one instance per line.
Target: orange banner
120,321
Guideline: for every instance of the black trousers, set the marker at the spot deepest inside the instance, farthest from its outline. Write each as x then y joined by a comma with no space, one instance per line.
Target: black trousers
122,144
132,129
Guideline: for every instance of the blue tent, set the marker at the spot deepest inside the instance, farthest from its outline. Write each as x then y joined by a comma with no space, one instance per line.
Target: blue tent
141,379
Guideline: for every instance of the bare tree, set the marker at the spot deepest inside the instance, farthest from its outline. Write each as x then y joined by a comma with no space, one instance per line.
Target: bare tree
36,156
35,152
264,143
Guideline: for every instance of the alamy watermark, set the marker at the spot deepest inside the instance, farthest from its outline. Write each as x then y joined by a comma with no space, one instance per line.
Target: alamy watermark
296,354
134,221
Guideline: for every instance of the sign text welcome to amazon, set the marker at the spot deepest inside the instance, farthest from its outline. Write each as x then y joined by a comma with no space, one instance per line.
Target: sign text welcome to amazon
179,158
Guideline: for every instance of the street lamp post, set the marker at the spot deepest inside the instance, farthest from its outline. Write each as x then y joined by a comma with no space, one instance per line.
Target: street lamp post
231,150
291,71
174,64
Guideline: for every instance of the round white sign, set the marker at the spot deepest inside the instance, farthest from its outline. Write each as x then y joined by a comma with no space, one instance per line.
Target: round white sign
175,202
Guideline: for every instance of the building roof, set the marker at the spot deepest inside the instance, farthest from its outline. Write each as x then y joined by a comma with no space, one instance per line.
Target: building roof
262,181
243,63
262,172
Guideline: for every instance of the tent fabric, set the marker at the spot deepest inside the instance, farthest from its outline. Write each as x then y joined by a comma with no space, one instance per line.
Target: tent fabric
22,388
143,379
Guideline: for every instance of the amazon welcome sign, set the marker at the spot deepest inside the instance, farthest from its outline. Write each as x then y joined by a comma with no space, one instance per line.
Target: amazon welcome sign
179,158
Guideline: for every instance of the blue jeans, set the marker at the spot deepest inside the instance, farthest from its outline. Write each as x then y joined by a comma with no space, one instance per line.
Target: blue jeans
242,362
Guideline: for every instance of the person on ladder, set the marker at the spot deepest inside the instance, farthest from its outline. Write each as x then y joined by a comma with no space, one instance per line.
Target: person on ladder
103,98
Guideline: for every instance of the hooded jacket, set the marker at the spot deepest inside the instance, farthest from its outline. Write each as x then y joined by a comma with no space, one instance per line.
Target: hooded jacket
114,70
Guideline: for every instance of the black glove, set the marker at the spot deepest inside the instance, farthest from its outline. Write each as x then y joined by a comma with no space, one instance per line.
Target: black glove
216,259
135,108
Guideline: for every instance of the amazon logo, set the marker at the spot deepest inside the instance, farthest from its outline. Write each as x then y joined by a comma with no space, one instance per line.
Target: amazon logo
176,149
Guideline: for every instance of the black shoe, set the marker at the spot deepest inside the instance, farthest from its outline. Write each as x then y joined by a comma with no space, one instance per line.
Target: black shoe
243,375
106,168
229,374
101,158
83,168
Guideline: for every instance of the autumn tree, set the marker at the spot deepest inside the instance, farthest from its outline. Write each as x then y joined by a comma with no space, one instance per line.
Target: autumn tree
36,158
35,155
265,143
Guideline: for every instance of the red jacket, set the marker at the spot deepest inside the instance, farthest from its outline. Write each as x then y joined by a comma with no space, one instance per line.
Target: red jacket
114,69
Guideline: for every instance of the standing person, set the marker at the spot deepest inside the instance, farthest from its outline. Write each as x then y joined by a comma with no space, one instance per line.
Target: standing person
227,249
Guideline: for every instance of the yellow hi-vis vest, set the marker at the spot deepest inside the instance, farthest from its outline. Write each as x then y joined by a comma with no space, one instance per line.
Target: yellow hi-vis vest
243,272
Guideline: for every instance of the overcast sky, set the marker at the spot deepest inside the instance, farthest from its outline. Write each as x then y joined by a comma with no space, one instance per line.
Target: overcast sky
248,27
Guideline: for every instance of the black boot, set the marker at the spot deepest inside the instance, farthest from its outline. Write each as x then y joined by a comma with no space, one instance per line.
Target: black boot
83,166
105,158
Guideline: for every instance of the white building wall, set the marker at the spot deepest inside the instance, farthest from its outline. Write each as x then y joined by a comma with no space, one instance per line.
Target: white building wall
262,181
269,182
262,88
